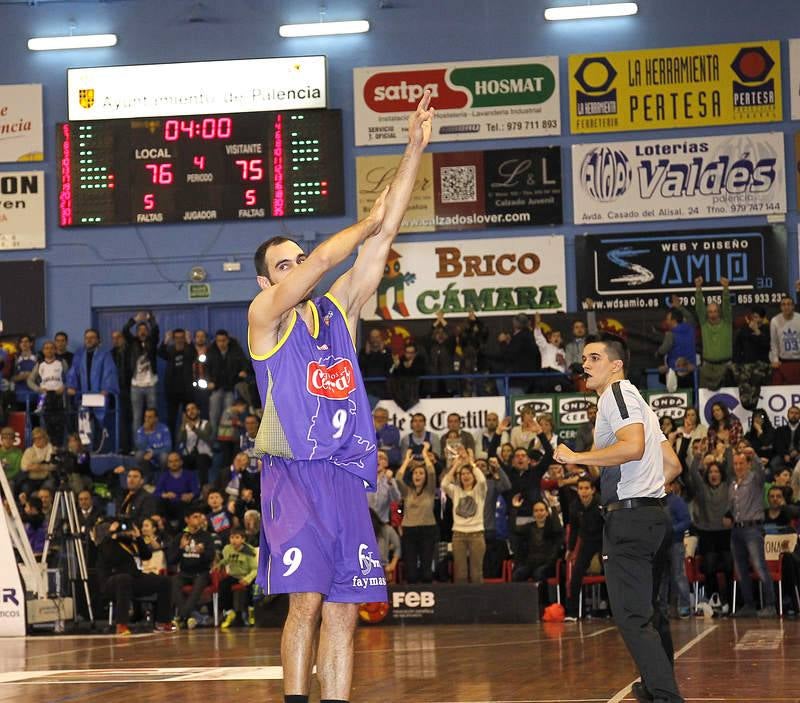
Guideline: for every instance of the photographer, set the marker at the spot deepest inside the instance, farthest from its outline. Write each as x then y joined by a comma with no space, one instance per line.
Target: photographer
120,567
194,439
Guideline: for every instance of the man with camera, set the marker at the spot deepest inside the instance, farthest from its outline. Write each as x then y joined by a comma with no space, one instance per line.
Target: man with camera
121,577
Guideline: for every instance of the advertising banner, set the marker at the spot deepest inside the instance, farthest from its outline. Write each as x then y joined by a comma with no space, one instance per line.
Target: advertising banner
472,189
197,88
499,99
473,412
794,77
643,270
666,404
489,276
21,136
690,86
22,210
774,400
679,179
12,594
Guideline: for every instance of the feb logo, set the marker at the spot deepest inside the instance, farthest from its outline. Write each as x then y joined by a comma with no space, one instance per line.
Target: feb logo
606,173
334,382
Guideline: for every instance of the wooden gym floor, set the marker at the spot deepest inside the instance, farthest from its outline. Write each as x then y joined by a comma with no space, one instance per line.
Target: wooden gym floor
719,660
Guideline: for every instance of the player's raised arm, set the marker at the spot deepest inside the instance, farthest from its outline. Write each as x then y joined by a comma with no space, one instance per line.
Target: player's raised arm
287,276
356,286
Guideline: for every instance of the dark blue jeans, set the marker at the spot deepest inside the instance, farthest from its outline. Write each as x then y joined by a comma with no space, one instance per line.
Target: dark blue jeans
747,546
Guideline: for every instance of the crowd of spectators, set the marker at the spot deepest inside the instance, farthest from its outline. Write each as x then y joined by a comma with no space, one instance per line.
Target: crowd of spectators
184,505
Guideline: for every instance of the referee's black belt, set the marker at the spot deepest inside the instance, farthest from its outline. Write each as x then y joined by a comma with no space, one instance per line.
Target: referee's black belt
748,523
634,503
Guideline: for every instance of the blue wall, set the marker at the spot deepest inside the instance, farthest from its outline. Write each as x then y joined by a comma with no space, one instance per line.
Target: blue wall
148,266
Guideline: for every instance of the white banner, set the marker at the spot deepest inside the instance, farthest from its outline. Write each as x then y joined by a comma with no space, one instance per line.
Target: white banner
775,546
197,88
679,178
498,99
794,77
12,595
491,276
21,123
22,210
473,412
775,400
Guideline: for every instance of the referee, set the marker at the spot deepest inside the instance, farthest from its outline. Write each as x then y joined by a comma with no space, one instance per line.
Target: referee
636,460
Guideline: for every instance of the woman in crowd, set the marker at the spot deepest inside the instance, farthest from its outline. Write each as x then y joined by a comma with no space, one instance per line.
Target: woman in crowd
683,436
724,426
706,479
505,454
545,421
252,527
386,491
420,533
545,539
465,485
523,434
157,563
761,434
388,546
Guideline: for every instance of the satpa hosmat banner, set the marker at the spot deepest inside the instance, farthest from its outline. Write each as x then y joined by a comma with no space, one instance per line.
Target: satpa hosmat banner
499,99
688,86
679,179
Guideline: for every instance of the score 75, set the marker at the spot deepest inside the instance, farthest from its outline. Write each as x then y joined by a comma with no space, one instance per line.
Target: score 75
251,170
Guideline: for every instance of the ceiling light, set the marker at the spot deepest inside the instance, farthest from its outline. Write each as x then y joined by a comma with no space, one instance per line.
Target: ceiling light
75,41
583,12
320,29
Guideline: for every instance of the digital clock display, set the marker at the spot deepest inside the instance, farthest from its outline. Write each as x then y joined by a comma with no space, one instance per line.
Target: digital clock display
243,166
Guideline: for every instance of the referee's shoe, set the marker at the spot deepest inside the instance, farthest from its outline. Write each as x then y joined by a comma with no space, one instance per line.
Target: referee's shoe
640,693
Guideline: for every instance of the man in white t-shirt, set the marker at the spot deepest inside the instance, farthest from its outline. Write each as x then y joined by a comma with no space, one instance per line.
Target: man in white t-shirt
636,461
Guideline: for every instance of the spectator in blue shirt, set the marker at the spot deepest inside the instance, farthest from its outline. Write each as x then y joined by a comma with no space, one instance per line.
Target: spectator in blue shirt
93,370
681,521
387,436
177,487
153,441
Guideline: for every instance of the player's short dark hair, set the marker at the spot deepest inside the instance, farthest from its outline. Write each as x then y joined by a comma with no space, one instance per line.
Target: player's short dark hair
676,315
221,333
91,329
238,531
616,347
585,479
260,257
424,419
61,333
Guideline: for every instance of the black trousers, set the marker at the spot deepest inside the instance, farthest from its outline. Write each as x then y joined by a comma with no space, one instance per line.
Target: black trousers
419,544
186,604
230,599
635,553
123,587
583,560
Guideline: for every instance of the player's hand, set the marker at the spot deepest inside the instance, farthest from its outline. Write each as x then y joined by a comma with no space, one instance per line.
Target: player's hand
505,425
426,447
420,122
187,497
389,474
119,470
775,364
517,501
564,455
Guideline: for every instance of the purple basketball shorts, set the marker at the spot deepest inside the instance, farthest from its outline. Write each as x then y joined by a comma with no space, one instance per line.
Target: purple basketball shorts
316,533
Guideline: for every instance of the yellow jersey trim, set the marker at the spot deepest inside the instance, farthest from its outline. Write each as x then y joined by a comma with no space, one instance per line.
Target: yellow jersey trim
315,315
281,341
339,307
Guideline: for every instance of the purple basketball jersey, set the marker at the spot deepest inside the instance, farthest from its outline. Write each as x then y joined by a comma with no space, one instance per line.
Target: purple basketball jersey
315,404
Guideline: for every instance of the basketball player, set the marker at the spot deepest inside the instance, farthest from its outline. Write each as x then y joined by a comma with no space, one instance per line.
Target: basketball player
317,434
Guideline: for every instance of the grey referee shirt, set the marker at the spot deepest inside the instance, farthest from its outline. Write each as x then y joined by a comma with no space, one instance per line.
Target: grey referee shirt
620,405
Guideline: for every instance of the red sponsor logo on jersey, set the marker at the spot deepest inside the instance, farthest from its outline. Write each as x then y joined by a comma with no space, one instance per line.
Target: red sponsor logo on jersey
335,382
400,91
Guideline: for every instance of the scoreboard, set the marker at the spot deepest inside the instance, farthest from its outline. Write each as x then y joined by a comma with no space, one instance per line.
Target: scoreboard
242,166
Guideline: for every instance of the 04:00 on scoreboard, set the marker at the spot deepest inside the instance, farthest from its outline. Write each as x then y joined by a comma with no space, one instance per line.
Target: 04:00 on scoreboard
200,168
